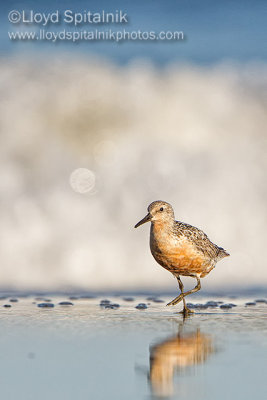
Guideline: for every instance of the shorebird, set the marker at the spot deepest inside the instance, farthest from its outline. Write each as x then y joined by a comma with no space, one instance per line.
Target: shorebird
182,249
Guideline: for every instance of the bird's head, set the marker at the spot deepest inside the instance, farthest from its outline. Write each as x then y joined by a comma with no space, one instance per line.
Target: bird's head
158,211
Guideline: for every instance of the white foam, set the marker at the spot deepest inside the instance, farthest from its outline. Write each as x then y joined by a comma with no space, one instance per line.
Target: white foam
195,137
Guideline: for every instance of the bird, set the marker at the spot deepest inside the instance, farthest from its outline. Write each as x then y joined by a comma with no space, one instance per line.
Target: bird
180,248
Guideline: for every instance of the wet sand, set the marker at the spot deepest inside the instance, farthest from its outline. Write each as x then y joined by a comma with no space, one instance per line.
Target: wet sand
92,351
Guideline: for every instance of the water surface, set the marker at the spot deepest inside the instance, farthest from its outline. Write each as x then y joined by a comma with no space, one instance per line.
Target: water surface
88,351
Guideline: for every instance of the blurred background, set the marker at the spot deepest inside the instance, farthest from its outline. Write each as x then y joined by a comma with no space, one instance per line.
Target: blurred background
91,133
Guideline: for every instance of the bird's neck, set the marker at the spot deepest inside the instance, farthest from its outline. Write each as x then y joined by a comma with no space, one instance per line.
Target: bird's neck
162,226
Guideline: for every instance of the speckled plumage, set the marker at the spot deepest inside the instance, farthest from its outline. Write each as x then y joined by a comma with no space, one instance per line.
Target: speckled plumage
178,247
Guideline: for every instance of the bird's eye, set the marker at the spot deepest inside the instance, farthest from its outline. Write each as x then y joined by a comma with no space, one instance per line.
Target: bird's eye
161,209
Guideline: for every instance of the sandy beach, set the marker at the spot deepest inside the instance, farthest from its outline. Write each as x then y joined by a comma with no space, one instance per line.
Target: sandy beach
86,350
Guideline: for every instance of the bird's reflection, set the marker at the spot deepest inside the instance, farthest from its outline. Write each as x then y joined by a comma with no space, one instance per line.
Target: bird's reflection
175,354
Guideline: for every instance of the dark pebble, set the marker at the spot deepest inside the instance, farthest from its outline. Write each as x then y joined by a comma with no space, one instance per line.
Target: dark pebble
141,306
7,305
45,305
220,302
87,296
116,305
250,304
73,298
13,300
200,306
128,298
233,305
151,298
112,306
104,302
158,301
190,305
212,304
226,306
261,301
65,303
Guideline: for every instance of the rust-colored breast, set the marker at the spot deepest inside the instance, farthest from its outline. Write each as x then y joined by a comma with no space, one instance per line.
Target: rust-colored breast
177,254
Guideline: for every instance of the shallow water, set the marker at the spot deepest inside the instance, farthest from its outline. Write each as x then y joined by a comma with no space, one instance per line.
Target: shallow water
87,351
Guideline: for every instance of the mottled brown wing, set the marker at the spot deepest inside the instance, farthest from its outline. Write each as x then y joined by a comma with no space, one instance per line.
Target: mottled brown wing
200,241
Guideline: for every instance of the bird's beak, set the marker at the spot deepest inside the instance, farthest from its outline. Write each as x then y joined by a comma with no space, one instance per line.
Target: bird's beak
147,218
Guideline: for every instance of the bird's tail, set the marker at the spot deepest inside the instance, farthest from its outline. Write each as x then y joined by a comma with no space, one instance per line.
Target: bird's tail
222,253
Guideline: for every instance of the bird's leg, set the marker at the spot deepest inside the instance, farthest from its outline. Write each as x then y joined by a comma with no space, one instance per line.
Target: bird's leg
182,295
186,310
181,286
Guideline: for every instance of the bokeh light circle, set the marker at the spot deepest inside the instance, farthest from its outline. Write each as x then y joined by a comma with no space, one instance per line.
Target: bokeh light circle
82,180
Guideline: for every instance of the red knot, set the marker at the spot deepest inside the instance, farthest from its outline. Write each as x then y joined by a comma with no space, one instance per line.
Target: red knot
182,249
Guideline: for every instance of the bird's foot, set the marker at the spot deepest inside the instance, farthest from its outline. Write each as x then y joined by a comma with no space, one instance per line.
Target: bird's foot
176,300
186,311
